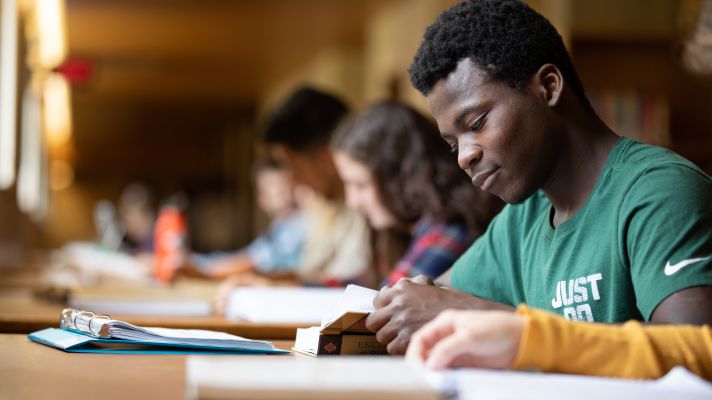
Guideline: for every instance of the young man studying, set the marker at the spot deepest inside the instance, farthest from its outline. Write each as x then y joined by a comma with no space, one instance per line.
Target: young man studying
598,227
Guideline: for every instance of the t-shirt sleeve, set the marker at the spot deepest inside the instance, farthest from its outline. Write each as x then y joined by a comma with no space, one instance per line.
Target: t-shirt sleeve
666,229
485,269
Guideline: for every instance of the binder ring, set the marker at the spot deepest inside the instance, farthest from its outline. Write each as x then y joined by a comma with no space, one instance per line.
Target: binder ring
80,313
97,317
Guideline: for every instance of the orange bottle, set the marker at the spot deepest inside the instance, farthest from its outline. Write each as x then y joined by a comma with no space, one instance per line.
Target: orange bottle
169,243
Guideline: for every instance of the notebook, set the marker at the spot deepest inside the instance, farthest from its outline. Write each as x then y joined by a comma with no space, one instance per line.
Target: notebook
86,332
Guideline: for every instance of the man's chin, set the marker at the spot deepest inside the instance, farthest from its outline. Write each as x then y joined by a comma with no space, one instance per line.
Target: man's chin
513,198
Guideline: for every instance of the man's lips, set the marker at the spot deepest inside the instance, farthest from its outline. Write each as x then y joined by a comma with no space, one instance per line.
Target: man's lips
481,178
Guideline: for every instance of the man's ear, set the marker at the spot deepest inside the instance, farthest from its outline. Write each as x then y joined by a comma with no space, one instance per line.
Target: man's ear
549,82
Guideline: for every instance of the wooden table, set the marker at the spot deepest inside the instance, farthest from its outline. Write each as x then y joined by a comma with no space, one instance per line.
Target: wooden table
30,370
22,312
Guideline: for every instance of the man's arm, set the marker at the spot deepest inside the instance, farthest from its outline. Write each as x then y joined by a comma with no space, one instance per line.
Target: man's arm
403,308
688,306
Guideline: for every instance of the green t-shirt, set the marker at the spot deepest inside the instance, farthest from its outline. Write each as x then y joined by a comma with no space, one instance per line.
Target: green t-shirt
644,233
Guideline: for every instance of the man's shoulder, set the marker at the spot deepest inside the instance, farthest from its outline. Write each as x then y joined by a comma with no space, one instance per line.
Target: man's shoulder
636,159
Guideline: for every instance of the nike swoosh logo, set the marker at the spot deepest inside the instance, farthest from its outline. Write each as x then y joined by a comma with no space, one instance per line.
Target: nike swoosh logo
671,269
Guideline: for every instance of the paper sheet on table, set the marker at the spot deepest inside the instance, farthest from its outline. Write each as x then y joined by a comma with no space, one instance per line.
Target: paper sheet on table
306,378
282,305
509,385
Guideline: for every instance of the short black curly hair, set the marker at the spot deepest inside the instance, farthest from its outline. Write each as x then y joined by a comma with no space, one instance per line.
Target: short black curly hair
305,120
506,38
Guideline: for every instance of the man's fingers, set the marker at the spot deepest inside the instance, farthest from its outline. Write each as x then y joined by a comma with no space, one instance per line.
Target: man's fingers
384,297
387,332
377,319
399,344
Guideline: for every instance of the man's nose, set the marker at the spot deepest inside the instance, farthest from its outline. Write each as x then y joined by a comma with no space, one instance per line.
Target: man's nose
468,154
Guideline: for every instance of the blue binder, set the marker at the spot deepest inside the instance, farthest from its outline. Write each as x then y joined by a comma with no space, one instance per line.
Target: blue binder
75,342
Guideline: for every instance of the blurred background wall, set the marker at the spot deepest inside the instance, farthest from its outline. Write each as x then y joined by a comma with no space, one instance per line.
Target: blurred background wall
172,93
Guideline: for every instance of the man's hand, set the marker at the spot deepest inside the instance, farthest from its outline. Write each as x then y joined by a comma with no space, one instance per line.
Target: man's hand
406,306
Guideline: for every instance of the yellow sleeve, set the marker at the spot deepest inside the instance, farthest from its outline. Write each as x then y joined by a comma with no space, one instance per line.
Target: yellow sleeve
552,344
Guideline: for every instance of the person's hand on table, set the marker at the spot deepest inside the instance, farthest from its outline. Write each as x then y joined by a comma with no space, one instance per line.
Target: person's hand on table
405,307
465,338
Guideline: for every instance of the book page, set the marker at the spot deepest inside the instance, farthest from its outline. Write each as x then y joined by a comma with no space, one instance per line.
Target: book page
354,299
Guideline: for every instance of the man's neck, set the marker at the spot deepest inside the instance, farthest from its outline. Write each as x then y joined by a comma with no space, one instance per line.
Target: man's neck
586,152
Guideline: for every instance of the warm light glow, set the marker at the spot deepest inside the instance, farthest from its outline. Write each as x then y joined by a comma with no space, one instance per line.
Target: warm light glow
32,196
8,91
61,175
57,110
51,26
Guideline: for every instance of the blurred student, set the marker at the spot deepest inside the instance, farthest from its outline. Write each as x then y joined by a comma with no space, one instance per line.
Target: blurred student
279,248
400,175
336,249
540,340
137,216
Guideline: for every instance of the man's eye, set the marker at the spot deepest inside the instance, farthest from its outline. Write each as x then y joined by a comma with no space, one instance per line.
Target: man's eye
477,124
453,148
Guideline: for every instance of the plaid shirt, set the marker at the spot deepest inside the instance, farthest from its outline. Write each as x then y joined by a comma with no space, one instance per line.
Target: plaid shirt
434,248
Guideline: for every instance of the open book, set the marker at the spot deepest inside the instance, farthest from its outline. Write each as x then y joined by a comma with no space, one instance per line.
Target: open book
343,330
86,332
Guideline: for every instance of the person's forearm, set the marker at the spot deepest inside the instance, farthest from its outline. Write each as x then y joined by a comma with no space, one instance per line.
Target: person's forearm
551,343
477,303
239,264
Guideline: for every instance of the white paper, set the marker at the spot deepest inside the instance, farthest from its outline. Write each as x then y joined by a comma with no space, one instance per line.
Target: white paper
354,298
282,305
307,340
681,379
90,258
475,384
292,375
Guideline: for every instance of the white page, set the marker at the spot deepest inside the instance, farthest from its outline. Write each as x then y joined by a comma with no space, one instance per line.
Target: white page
354,298
475,384
681,379
282,305
294,375
307,340
192,334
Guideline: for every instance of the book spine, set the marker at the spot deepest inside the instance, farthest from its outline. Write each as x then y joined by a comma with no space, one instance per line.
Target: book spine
350,345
